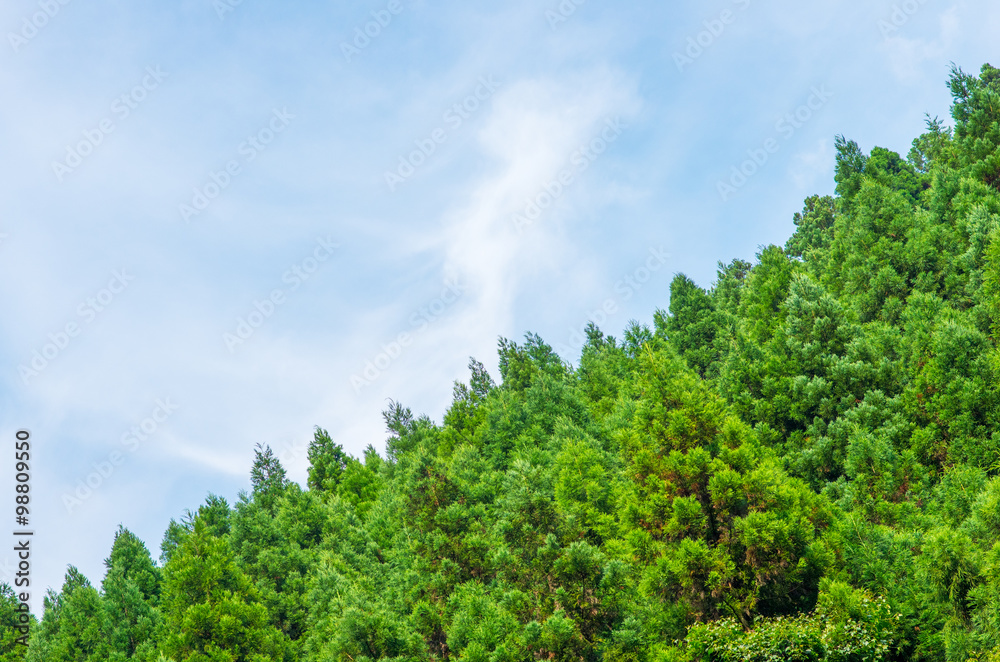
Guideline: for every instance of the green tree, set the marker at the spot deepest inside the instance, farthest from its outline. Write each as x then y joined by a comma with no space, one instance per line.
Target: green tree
73,624
327,462
267,477
692,326
131,595
977,122
10,626
212,611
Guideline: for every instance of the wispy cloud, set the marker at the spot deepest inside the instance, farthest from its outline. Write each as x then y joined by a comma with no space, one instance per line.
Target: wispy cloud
908,52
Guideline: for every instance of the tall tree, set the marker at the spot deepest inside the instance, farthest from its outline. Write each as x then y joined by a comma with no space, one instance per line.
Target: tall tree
131,592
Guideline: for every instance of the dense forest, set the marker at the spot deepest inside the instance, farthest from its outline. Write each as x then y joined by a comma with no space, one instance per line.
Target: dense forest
799,463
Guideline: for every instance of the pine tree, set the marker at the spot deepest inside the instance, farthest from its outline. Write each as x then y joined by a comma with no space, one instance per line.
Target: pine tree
267,477
11,623
131,595
327,462
211,609
73,624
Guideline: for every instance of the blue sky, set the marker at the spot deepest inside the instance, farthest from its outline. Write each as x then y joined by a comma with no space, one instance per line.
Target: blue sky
225,223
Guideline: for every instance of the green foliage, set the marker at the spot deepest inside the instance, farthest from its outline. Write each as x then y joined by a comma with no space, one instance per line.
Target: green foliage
212,611
691,326
847,625
73,624
813,229
327,462
934,147
10,624
798,462
977,122
131,596
267,477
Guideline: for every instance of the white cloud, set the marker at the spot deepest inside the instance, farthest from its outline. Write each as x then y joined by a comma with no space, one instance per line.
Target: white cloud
807,167
908,55
534,129
325,175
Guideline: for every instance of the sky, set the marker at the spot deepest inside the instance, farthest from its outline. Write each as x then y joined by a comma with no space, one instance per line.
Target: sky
225,222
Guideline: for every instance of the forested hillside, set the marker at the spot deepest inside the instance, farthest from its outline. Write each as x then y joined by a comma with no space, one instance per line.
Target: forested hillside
799,463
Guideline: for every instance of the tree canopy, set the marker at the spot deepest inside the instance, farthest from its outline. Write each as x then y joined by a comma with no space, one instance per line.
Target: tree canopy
797,462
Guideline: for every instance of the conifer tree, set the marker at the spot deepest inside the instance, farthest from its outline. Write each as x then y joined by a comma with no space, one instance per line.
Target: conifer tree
131,595
10,622
211,609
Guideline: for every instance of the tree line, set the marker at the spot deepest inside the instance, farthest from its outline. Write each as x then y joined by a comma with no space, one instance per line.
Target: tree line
799,462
